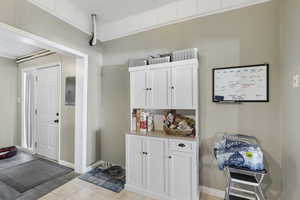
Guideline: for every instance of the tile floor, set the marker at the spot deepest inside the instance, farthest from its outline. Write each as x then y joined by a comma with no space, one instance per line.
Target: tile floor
81,190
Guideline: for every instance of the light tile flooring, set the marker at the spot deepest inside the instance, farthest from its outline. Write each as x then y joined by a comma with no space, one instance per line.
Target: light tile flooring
81,190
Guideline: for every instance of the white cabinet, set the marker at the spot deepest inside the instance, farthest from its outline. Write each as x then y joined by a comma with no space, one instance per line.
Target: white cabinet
135,166
156,169
138,88
164,169
183,84
181,176
165,86
159,90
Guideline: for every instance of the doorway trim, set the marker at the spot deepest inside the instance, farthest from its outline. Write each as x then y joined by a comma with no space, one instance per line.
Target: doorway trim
34,69
81,87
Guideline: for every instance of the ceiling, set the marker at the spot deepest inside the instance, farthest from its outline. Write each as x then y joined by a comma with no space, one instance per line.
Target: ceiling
120,18
14,47
112,10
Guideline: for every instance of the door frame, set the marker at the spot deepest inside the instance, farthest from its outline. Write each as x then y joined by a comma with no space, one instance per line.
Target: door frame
34,69
82,67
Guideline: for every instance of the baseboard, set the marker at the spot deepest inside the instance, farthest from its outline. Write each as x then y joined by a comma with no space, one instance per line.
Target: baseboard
24,149
213,191
144,192
94,165
67,164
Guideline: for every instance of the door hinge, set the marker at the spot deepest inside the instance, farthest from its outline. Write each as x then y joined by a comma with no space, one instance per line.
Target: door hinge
36,78
35,111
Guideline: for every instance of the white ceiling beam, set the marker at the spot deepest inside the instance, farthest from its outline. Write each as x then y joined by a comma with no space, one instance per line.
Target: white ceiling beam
174,12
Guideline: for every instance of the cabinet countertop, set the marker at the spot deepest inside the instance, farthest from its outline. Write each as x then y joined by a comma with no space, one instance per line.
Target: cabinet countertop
160,134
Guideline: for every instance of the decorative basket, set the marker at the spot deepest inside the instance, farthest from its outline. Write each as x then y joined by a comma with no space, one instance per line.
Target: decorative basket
153,61
177,132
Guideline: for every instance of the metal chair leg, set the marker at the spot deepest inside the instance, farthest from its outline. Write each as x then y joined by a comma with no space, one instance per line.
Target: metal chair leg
261,193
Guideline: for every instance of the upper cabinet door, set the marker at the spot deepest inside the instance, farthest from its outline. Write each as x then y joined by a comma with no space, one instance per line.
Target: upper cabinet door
138,88
183,87
159,85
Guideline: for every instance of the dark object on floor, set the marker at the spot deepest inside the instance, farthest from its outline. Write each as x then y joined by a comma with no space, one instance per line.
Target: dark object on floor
116,172
8,152
28,175
232,197
103,178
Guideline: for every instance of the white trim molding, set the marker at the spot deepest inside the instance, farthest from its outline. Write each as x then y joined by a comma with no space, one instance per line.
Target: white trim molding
212,191
171,13
25,150
175,12
94,165
66,12
66,164
81,88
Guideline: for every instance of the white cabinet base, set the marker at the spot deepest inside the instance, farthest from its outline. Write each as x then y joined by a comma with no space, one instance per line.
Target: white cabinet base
169,169
146,193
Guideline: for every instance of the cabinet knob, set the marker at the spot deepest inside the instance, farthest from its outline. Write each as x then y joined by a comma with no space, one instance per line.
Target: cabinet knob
170,157
181,145
172,87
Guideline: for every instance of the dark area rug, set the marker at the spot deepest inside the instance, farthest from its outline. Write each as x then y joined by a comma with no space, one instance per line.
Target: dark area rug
102,178
28,175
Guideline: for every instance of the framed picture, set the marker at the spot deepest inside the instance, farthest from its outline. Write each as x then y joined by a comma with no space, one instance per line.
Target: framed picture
70,91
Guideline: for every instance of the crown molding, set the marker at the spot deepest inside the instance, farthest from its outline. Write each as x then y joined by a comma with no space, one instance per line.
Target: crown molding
82,25
185,10
172,13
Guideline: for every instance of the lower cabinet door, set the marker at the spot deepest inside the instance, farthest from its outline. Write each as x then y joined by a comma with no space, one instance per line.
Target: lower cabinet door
135,161
156,168
181,180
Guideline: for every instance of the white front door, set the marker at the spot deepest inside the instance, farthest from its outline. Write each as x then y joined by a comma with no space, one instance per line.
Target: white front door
47,116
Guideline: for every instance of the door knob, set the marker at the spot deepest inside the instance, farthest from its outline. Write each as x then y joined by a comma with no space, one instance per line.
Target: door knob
56,121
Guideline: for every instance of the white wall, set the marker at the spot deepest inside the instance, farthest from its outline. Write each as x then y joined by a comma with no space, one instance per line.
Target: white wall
25,16
241,37
8,102
290,99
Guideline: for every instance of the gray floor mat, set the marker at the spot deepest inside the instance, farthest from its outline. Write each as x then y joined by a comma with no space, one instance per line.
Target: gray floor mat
20,158
7,192
28,175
